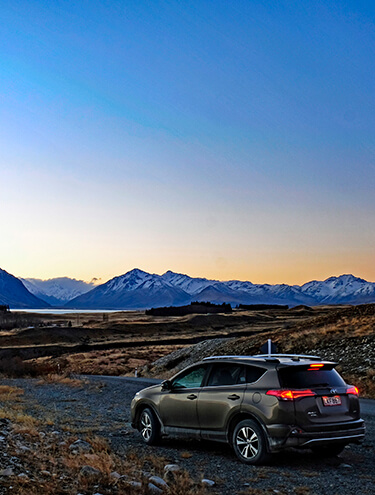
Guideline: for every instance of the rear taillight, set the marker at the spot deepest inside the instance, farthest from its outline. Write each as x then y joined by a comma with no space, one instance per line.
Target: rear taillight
290,394
315,366
352,390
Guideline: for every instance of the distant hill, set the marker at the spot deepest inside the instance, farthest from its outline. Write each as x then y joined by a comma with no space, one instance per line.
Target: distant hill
141,290
57,291
15,294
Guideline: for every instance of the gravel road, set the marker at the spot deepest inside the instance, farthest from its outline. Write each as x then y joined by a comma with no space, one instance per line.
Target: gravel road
102,406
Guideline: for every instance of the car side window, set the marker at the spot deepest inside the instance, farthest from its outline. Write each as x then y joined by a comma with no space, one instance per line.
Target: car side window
226,374
191,379
253,373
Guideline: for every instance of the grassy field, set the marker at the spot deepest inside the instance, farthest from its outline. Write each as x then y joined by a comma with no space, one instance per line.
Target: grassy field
119,343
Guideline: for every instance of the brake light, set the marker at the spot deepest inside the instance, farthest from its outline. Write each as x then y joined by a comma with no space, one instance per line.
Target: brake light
315,366
290,394
352,390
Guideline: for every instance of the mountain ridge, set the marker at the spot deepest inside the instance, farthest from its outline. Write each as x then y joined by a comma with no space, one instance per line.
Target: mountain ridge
57,291
138,289
13,293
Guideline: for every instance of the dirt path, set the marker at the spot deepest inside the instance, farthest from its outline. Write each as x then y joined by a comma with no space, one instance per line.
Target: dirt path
101,406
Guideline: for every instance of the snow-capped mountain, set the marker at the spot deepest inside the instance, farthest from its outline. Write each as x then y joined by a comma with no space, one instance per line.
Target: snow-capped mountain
186,283
138,290
57,291
16,295
133,290
344,289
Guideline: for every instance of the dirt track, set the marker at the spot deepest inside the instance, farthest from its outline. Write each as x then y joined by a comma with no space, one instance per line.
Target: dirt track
102,407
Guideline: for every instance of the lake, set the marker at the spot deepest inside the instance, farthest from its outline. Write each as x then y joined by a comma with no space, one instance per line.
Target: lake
51,311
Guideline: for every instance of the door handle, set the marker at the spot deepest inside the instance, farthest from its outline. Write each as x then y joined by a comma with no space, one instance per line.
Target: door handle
233,397
192,396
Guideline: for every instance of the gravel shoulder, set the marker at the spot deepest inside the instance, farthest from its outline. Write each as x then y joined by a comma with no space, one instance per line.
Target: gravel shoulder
101,406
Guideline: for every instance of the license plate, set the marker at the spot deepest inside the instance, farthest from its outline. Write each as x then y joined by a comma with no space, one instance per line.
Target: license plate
332,401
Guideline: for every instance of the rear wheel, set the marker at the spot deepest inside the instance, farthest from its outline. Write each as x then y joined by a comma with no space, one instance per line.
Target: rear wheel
149,426
329,450
249,442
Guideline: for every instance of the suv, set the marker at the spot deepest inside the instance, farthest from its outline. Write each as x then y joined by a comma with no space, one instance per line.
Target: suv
258,404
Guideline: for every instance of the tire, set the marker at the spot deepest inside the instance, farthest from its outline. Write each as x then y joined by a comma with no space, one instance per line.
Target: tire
329,450
149,426
249,442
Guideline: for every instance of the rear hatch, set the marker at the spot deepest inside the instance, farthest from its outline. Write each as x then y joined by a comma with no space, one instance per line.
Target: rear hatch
321,395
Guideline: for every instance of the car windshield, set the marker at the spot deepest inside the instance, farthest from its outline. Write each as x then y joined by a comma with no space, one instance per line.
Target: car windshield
296,377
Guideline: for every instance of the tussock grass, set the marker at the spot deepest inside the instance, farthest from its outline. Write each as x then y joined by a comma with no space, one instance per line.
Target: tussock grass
62,379
9,393
52,468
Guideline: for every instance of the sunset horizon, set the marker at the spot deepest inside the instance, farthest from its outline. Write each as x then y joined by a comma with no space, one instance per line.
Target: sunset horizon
233,142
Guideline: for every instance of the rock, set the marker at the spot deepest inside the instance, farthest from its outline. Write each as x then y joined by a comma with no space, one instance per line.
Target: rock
23,448
170,470
80,446
42,434
6,472
208,482
156,480
154,489
45,473
89,471
135,484
23,476
115,475
345,466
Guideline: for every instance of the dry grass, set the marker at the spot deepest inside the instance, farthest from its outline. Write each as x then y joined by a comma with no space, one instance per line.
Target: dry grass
9,393
186,455
62,380
52,468
302,490
57,470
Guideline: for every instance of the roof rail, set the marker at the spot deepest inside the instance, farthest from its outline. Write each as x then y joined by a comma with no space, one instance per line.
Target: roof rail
225,357
291,356
295,357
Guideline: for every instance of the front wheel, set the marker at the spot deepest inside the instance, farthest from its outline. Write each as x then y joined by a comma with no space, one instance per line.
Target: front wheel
149,427
249,442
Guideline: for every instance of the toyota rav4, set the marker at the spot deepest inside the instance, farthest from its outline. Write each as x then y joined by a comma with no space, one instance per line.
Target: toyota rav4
258,404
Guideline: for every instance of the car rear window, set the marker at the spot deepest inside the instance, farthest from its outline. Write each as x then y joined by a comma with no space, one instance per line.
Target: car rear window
253,373
226,374
302,377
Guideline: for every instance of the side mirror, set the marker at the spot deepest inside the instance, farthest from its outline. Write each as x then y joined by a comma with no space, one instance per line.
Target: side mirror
166,385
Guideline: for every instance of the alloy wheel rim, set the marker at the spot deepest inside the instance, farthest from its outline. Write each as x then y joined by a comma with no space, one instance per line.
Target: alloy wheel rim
247,442
146,426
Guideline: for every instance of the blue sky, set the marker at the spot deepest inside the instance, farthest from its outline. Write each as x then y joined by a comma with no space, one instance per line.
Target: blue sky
221,139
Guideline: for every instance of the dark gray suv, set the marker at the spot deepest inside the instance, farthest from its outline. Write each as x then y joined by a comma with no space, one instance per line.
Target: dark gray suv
258,404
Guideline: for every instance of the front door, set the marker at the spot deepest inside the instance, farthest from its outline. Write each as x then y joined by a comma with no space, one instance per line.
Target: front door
178,406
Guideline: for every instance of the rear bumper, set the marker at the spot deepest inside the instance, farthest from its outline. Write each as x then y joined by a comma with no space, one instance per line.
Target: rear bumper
283,436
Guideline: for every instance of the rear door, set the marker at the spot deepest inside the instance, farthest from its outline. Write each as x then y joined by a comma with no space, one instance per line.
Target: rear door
330,402
222,394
